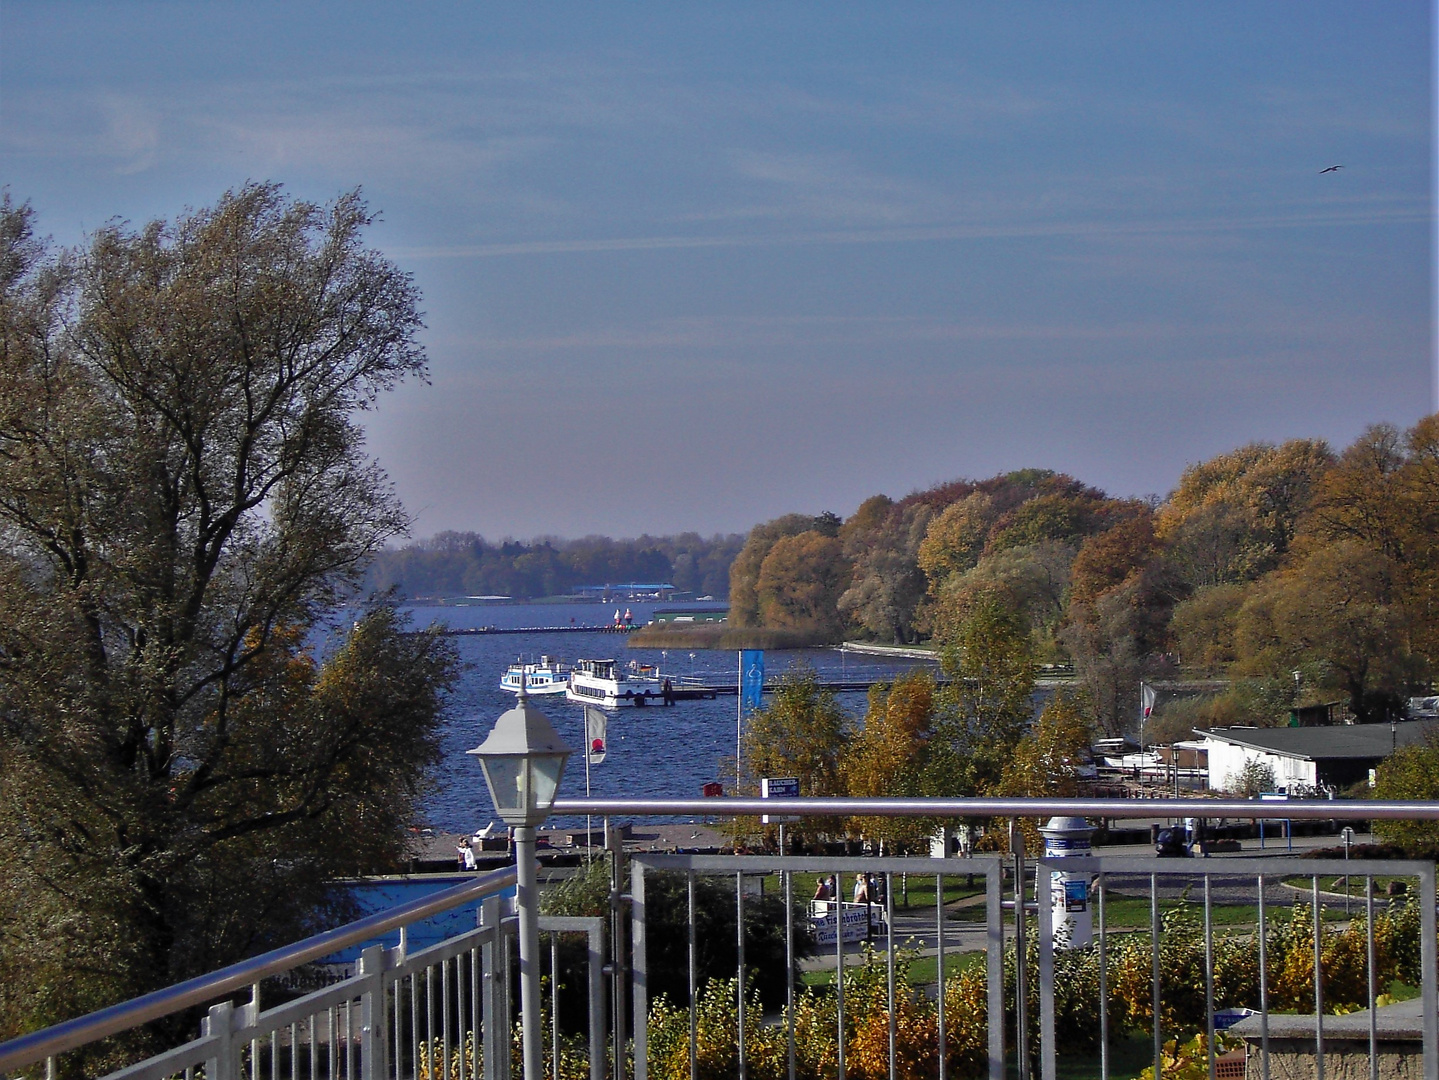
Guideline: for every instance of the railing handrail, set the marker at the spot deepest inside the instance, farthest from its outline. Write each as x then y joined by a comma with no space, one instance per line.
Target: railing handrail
38,1045
1114,809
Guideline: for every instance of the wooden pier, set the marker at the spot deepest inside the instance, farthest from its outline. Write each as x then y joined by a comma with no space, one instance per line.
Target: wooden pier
470,631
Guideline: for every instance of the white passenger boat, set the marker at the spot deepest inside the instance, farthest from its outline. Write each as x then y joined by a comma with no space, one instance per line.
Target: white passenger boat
606,683
546,677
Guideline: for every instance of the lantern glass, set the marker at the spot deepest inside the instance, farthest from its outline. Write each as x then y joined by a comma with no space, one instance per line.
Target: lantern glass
523,759
505,777
545,772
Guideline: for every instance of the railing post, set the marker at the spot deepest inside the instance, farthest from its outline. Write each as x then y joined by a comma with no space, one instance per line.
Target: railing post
1044,904
614,845
219,1025
1429,957
739,951
1021,953
596,981
527,903
641,970
693,975
374,1056
494,1015
994,964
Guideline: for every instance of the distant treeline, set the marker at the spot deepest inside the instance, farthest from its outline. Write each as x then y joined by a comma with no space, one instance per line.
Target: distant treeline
466,564
1303,575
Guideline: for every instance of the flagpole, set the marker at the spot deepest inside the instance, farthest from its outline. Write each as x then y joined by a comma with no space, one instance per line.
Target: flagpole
738,720
589,824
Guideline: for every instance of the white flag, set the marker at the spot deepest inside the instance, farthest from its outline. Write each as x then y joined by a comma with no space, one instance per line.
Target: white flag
595,721
1146,701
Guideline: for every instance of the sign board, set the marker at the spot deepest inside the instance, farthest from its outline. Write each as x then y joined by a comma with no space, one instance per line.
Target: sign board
778,787
854,923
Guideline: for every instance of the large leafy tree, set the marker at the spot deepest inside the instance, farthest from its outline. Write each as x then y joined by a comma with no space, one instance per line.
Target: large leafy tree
887,583
803,733
191,751
986,709
744,572
800,583
1046,762
886,758
1235,516
1410,773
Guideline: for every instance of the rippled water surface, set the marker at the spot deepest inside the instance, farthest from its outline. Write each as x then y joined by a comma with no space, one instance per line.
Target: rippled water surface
652,752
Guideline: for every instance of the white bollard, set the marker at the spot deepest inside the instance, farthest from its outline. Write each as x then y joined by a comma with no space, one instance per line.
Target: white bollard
1073,922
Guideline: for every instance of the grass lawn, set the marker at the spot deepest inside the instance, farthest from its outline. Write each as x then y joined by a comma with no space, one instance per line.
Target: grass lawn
923,970
1124,911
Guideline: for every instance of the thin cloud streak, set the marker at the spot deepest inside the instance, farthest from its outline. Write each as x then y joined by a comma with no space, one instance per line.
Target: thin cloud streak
916,234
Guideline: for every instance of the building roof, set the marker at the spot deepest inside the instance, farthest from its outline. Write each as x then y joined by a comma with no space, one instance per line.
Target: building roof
1374,741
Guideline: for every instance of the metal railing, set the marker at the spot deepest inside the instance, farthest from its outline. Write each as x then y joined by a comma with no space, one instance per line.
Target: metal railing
738,866
440,1011
1262,873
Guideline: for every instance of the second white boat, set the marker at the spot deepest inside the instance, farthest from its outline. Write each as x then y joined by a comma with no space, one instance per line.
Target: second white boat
546,677
607,684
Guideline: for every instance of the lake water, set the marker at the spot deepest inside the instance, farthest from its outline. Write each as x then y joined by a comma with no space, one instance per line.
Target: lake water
652,752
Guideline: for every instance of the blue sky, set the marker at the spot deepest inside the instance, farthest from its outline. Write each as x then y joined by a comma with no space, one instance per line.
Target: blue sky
692,266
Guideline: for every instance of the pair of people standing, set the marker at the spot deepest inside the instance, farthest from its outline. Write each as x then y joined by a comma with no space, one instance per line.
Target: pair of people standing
467,855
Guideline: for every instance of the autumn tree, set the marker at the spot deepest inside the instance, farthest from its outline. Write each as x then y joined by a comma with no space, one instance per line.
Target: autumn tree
989,703
887,583
1105,560
744,572
1046,762
800,583
1382,496
803,733
1032,582
1234,517
1335,617
1203,627
955,538
1065,517
887,757
1120,639
1412,772
193,749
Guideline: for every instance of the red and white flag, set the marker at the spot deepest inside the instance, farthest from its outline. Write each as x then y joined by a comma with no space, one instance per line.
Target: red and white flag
595,721
1146,700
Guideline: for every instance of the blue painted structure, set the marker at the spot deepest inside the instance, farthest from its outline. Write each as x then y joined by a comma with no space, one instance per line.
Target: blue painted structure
381,893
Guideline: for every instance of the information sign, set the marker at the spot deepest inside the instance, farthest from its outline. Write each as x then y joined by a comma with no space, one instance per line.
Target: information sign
778,787
854,923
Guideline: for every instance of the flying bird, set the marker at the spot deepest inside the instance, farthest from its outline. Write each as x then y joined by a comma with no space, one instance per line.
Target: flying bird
1332,168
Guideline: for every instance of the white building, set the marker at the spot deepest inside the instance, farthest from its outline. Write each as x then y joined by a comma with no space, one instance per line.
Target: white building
1306,758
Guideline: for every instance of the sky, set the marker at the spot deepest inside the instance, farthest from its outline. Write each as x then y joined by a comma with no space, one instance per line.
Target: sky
691,266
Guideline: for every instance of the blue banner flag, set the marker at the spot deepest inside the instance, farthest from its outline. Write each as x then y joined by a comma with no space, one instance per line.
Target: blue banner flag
751,680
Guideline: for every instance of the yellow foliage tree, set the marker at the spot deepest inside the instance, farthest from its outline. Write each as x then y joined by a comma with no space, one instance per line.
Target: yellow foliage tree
1046,761
886,757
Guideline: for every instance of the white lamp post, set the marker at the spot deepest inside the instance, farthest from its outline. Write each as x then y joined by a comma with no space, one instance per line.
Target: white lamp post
523,759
